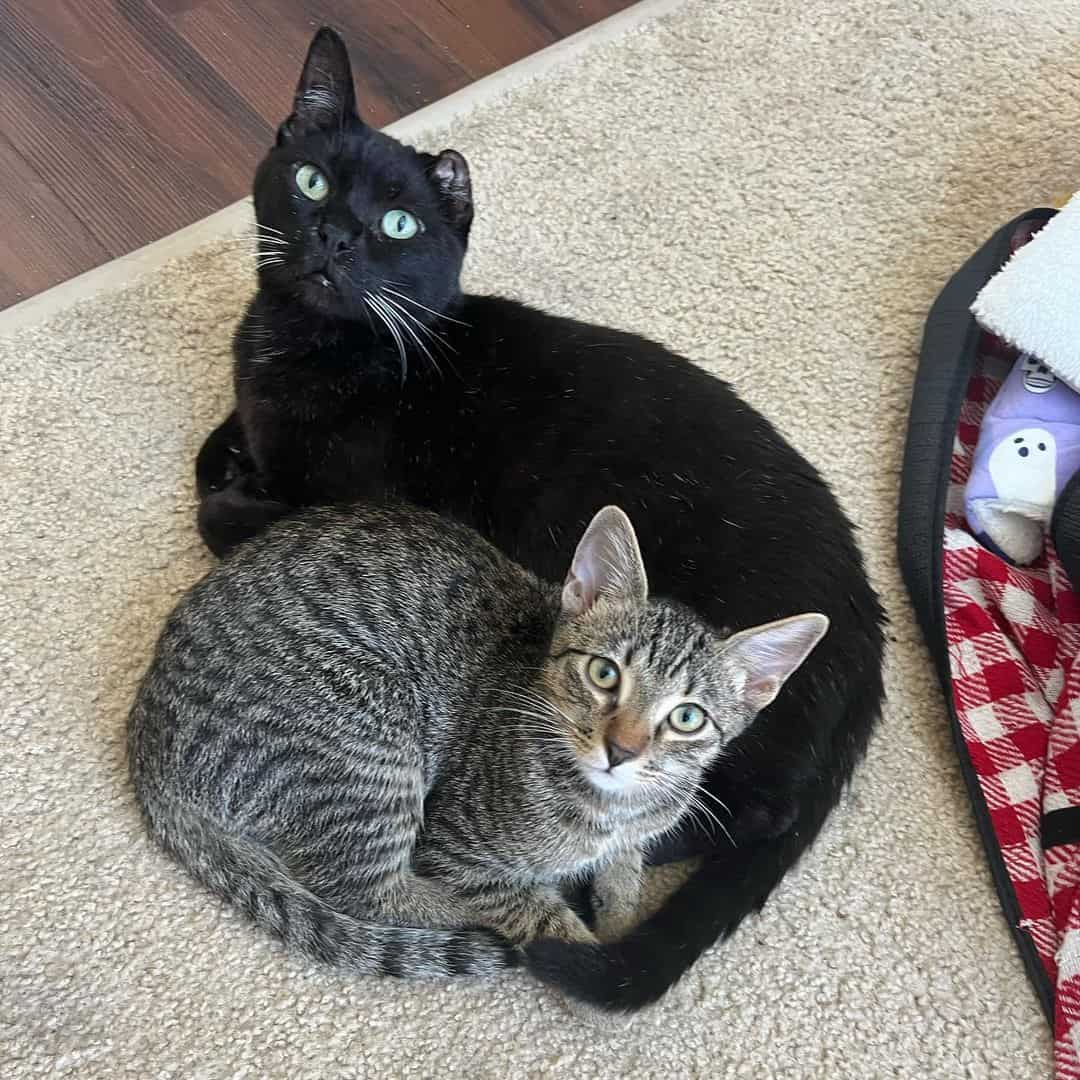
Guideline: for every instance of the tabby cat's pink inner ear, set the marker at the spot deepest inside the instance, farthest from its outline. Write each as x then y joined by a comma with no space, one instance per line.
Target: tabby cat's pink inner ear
607,563
765,657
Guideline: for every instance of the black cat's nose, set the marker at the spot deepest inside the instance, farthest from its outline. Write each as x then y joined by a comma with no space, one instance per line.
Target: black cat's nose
617,753
335,239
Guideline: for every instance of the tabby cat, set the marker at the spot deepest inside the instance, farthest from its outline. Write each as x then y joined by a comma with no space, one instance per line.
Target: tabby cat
362,371
392,747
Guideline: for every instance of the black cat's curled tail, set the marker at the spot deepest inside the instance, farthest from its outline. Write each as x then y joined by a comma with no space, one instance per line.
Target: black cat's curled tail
732,882
627,975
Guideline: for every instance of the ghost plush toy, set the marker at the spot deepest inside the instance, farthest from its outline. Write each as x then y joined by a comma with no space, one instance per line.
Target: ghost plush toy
1028,449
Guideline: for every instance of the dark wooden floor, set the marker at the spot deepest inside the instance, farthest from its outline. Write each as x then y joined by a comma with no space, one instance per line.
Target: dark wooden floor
122,120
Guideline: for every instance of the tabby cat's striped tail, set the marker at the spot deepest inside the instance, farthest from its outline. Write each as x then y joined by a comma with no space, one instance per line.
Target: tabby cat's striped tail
252,878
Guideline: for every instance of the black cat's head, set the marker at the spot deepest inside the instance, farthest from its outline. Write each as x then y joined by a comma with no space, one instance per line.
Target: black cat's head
352,222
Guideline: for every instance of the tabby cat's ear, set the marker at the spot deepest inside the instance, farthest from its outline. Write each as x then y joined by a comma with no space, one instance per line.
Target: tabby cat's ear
325,99
763,658
449,174
607,564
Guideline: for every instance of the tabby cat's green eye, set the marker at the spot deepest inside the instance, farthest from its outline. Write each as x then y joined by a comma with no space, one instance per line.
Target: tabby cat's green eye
312,183
400,225
603,673
687,719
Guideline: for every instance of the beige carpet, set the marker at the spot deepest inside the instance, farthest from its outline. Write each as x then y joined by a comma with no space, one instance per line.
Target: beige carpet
777,188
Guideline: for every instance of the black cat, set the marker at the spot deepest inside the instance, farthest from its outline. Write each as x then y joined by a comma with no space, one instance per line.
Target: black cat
361,370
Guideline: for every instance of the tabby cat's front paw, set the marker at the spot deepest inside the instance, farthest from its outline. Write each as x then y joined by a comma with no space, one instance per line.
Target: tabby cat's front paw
558,922
616,916
615,894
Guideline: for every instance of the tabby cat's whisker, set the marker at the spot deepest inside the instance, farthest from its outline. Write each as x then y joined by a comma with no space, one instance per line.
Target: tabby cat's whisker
691,791
532,698
719,802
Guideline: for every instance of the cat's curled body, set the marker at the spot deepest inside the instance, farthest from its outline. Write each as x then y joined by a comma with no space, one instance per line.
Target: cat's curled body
380,737
363,371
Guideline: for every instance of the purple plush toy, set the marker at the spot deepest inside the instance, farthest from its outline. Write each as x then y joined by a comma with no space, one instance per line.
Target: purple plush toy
1028,449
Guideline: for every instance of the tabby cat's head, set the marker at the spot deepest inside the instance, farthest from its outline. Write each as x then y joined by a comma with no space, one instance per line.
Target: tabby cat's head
644,693
352,223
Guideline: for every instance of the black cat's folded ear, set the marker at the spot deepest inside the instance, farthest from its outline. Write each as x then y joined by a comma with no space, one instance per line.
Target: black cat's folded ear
325,99
607,563
763,658
449,173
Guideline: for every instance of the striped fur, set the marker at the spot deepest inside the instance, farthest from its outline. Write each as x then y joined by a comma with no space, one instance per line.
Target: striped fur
377,737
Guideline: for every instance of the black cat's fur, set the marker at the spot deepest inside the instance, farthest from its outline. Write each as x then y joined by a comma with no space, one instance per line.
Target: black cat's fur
523,425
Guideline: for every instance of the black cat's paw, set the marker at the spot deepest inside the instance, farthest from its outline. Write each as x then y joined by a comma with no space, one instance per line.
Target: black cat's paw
229,517
223,458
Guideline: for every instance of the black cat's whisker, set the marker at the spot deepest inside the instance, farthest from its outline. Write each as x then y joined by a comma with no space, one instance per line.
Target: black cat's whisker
440,343
437,339
423,307
255,329
400,316
412,321
253,238
257,248
370,301
392,323
367,315
264,356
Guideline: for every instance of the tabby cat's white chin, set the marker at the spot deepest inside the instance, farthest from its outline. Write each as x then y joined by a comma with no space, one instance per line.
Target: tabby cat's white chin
612,781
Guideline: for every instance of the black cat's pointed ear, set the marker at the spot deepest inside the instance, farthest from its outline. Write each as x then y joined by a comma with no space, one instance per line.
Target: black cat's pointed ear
764,657
607,564
325,99
449,173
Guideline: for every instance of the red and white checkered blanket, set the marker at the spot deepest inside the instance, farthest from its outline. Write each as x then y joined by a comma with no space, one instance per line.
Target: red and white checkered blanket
1014,643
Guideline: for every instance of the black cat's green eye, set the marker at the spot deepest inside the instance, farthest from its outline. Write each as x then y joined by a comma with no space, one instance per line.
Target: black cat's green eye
312,183
687,719
400,225
603,673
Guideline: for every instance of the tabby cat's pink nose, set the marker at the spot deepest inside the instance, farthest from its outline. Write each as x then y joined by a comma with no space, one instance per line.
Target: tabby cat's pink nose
617,753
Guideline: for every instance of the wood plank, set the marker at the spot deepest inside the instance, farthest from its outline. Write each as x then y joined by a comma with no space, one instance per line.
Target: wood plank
397,67
128,168
446,31
38,232
124,120
514,34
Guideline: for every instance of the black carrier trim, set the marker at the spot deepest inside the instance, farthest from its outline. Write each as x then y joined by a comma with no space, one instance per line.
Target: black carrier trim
949,346
1061,827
